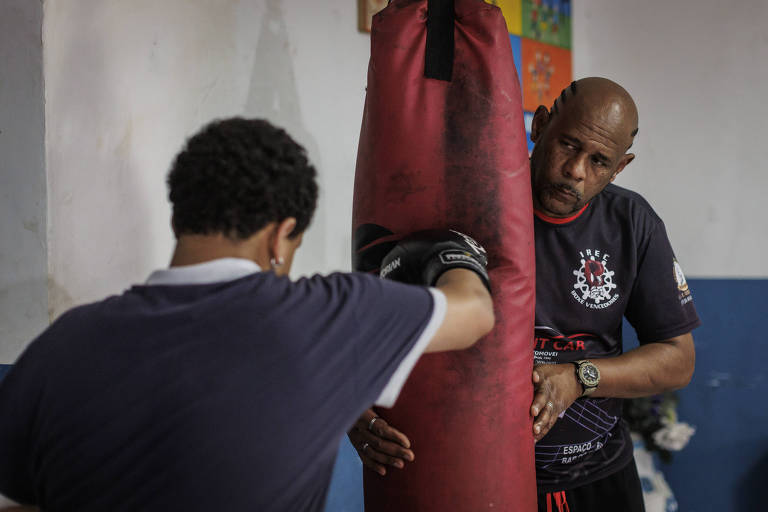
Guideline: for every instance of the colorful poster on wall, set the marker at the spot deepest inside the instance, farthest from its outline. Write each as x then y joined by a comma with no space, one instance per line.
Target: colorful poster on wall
546,71
548,21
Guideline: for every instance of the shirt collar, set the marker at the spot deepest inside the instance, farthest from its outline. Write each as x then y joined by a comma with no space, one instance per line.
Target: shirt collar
559,220
215,271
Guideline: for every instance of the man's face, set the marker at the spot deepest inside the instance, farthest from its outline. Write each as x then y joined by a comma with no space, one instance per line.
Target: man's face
577,153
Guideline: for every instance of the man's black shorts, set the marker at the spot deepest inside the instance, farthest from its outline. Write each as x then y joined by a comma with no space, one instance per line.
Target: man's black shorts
620,491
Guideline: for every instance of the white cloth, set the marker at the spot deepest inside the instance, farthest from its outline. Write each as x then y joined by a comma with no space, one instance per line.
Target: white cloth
224,269
657,494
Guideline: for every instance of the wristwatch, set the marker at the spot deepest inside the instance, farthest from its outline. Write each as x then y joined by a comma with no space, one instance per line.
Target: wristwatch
588,375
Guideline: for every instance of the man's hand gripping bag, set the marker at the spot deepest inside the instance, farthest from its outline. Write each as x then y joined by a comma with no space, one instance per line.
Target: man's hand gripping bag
442,145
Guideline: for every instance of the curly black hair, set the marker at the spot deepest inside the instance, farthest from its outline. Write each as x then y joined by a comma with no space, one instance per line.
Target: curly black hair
237,175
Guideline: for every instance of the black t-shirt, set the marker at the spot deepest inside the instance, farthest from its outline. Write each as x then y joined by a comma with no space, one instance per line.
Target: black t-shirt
611,260
224,396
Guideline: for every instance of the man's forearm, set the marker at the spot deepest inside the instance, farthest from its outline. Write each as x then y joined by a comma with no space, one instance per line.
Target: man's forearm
469,310
649,369
652,368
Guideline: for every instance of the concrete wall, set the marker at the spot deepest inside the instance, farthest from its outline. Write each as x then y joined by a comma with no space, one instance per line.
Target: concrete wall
23,267
127,82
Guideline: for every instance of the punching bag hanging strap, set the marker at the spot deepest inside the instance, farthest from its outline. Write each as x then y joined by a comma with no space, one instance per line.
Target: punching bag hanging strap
438,61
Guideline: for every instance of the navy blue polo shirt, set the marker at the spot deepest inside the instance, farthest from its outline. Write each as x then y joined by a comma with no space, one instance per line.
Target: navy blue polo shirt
212,387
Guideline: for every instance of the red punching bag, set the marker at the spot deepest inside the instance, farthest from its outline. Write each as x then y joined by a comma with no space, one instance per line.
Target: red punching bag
443,145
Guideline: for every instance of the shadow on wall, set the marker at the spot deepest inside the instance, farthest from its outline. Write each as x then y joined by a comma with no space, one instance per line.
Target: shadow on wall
272,94
748,494
101,231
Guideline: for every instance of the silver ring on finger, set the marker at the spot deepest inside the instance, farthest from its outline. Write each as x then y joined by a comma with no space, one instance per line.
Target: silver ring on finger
365,445
550,405
370,423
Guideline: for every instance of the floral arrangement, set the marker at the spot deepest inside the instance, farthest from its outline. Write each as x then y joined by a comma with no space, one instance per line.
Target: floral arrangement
655,419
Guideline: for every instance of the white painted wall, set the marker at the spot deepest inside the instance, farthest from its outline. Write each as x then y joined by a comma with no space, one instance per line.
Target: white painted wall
698,70
23,270
127,82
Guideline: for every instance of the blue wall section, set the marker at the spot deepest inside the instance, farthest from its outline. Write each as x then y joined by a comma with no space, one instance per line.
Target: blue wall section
4,369
725,466
346,493
517,56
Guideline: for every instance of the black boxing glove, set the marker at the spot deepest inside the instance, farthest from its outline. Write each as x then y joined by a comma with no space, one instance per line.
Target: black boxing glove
422,257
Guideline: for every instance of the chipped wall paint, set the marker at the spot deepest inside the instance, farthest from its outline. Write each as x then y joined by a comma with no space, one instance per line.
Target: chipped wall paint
126,83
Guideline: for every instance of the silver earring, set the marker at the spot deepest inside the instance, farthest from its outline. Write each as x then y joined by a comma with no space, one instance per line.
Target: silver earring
275,263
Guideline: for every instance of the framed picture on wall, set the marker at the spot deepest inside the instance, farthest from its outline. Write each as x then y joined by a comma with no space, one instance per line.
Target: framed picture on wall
366,9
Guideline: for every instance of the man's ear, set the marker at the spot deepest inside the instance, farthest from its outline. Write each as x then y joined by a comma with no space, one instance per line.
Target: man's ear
540,121
625,160
280,242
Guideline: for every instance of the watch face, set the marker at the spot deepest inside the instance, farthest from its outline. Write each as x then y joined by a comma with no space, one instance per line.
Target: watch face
590,374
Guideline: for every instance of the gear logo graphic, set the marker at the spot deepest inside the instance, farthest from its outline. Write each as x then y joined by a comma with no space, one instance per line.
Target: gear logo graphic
595,286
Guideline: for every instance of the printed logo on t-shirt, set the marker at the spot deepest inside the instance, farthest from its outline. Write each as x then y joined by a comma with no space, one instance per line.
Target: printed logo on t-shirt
682,284
589,423
594,287
552,347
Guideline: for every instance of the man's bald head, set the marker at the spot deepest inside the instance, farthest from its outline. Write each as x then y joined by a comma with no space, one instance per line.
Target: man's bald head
580,144
600,94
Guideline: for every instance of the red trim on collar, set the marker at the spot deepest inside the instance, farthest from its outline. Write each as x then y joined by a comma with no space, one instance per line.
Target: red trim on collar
558,220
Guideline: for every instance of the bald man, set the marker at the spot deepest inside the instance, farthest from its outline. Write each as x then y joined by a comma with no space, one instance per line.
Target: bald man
602,254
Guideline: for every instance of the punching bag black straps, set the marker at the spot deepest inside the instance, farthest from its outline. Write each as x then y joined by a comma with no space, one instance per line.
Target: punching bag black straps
438,61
